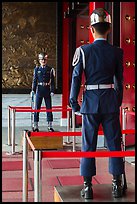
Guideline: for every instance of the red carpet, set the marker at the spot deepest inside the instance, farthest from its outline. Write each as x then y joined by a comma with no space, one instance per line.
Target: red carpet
51,181
13,165
64,163
15,184
73,180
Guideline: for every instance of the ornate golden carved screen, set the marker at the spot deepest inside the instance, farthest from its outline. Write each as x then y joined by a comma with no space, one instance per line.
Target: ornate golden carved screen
27,29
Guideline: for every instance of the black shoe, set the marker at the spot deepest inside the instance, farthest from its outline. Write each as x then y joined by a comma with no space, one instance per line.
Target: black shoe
117,188
36,130
87,192
50,129
124,183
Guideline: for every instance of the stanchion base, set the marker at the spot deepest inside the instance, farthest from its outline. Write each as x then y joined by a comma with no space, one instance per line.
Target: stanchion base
14,153
133,163
101,193
67,143
7,145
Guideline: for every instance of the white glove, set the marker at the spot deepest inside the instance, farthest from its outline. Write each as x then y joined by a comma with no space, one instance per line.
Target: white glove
32,93
52,94
78,113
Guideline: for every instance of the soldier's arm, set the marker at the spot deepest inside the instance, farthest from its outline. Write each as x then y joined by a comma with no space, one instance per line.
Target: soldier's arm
76,80
34,82
52,77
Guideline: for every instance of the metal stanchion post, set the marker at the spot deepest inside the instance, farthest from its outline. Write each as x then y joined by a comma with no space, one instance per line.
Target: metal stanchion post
13,131
9,128
124,114
68,126
73,129
40,177
37,176
25,168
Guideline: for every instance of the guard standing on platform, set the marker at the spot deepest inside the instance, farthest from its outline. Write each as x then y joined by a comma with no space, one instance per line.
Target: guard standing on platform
102,64
44,86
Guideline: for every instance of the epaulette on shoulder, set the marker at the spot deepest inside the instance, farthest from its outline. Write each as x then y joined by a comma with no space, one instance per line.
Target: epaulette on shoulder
76,56
53,71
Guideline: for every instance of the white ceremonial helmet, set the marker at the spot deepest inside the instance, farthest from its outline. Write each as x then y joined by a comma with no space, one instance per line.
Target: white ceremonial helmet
99,15
42,56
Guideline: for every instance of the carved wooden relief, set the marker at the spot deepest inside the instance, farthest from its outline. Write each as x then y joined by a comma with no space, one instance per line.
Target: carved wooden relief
27,29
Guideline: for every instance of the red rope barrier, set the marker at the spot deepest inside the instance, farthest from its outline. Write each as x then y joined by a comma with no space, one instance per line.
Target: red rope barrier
28,108
21,107
82,154
128,131
42,110
89,154
57,134
61,134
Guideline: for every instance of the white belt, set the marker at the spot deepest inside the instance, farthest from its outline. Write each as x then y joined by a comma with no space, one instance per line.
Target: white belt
43,83
99,86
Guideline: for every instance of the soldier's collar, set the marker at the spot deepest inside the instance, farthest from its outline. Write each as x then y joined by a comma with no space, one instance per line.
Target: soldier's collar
100,39
43,66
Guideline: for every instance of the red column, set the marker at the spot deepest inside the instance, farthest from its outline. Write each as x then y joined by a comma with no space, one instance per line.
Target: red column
65,63
127,43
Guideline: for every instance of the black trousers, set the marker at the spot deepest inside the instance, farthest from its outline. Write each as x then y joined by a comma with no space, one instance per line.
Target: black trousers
48,104
112,132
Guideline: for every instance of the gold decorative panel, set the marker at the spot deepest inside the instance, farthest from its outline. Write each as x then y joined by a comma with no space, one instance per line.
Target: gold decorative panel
27,29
